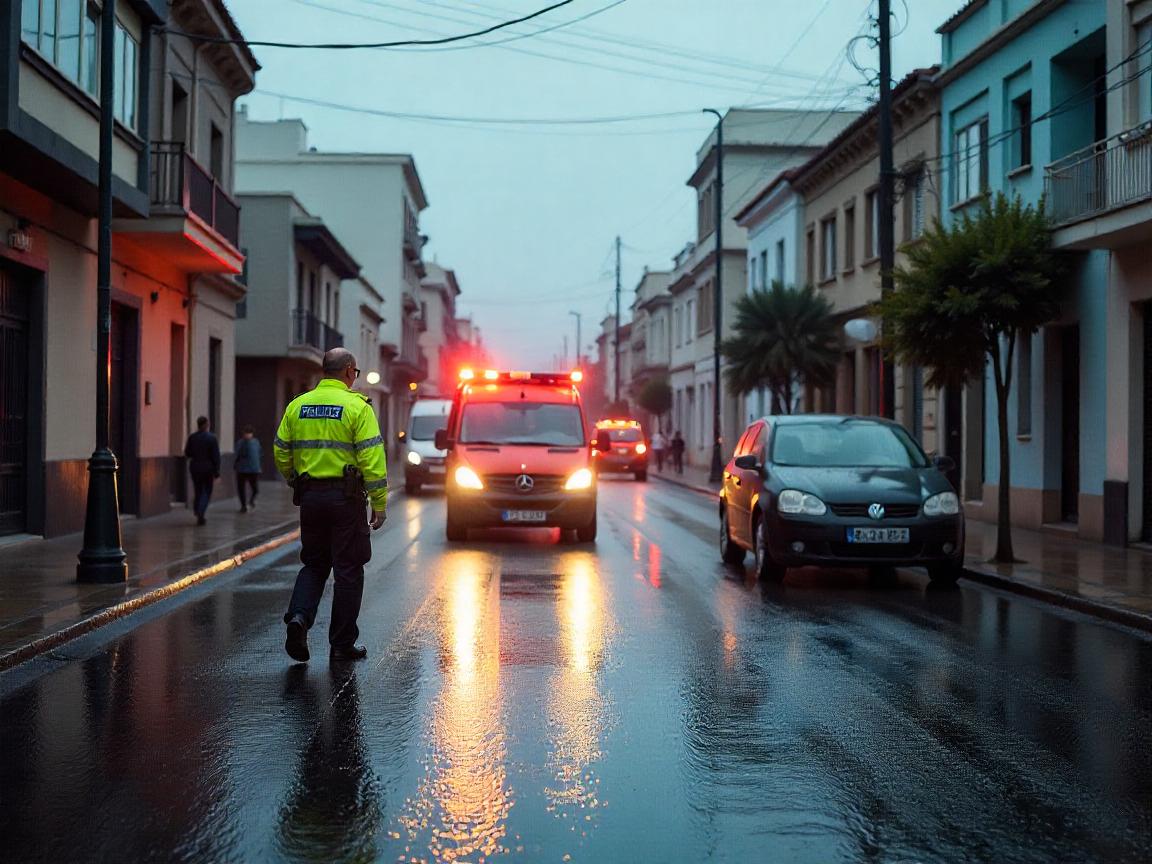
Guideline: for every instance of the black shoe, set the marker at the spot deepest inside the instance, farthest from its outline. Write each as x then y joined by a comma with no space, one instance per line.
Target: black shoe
296,643
243,509
352,652
200,520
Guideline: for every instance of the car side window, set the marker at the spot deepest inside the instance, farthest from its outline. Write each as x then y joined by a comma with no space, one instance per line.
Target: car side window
760,447
756,443
740,445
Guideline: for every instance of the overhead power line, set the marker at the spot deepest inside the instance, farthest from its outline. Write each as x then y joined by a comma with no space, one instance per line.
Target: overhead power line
348,46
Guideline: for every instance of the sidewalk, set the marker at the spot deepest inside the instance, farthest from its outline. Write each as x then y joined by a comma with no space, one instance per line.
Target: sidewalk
42,604
1106,581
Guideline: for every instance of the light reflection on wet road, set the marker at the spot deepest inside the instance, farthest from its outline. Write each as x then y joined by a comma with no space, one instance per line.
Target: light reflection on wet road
635,701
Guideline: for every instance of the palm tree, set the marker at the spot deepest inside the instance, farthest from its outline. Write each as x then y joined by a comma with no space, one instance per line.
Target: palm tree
783,338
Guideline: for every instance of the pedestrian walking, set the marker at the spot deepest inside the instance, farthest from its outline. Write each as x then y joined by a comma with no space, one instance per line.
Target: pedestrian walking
659,448
202,451
249,462
678,452
330,450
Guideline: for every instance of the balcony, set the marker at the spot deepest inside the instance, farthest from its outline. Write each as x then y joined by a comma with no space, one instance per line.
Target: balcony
193,222
312,334
1101,197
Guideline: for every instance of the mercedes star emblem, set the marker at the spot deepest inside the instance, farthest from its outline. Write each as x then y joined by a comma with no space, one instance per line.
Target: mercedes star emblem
876,511
524,483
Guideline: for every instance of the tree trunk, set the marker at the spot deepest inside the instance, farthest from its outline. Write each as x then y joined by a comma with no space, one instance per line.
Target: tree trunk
1004,552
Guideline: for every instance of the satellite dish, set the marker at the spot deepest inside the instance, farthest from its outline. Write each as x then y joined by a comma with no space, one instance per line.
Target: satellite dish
861,329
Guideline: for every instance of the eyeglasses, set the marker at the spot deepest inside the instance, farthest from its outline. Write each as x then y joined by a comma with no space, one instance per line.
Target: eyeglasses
357,371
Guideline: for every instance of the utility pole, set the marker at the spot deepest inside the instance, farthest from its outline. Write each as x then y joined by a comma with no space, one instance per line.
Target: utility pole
579,358
616,352
103,559
887,401
714,475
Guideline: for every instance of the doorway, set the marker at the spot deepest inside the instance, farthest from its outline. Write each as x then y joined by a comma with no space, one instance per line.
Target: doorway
954,432
1070,424
176,397
1146,530
15,326
124,403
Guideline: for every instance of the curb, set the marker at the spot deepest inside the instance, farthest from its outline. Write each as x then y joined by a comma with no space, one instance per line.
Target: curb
1093,608
112,613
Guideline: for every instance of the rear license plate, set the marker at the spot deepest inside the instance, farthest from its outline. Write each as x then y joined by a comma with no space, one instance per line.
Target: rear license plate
524,516
435,469
878,535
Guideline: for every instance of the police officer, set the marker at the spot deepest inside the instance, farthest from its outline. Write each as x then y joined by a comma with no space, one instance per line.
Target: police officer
329,448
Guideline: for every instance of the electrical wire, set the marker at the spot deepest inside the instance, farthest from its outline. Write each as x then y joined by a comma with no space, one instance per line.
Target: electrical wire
349,46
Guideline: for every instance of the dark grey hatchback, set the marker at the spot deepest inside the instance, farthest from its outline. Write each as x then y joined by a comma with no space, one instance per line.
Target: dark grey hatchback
834,491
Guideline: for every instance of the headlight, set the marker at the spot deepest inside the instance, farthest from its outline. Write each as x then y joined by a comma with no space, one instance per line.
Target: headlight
641,449
466,478
582,479
414,458
796,502
944,504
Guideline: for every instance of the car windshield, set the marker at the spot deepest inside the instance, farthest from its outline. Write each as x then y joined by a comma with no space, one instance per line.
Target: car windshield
626,436
522,423
845,444
424,428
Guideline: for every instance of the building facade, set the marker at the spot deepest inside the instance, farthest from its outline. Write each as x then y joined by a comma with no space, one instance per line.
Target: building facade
176,249
438,342
650,346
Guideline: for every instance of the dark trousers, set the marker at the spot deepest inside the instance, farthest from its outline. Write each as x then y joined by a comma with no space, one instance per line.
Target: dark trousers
251,481
678,461
659,459
334,538
201,491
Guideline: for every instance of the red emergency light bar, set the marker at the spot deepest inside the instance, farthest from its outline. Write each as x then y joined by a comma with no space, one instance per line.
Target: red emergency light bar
492,375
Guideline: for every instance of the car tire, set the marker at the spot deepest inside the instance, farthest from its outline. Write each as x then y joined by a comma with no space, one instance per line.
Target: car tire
944,574
641,476
411,488
455,530
730,552
587,533
766,568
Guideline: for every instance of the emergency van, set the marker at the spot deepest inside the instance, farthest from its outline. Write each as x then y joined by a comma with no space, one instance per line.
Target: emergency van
519,454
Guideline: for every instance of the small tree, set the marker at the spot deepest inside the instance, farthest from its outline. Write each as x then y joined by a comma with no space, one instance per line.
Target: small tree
655,397
783,338
965,295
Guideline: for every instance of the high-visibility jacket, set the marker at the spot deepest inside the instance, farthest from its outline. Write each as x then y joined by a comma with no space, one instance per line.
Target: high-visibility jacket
327,428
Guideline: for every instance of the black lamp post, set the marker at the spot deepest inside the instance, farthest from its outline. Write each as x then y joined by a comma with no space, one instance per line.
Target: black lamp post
102,559
714,475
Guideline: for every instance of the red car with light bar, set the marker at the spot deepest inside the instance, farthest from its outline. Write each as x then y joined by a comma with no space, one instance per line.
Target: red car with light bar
519,454
627,448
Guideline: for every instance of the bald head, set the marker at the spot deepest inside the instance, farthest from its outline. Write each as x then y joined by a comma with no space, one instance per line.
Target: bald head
337,360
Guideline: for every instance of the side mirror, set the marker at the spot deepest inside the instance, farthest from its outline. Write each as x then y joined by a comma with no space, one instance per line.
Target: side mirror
604,445
944,464
747,462
442,441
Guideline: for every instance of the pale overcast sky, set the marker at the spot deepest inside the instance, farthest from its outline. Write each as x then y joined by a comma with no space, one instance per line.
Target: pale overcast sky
526,215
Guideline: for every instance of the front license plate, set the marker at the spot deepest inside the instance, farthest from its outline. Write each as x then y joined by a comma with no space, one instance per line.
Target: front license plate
435,469
878,535
524,516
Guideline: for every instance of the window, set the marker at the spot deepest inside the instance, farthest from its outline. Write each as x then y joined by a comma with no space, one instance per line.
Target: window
1022,130
753,266
872,224
216,152
1024,385
215,384
780,261
1143,37
63,32
914,204
689,311
676,325
126,76
810,264
970,161
828,249
704,309
764,269
850,235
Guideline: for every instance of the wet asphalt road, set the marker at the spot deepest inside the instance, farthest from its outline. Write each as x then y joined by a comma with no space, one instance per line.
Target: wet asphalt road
632,701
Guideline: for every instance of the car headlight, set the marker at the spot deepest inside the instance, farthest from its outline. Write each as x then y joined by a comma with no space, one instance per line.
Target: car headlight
943,504
581,479
641,449
414,458
802,503
466,478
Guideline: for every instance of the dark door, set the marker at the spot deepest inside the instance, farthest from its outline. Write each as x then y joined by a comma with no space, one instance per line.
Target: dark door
1070,424
954,431
1147,495
124,403
14,385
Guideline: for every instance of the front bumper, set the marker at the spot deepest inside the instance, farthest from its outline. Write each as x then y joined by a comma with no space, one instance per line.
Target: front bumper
826,543
426,473
484,509
608,463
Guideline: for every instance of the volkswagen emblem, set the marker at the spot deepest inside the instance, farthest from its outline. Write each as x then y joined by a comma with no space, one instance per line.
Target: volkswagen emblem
524,483
876,511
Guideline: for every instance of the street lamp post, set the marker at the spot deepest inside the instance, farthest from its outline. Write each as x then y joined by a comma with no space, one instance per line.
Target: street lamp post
714,474
102,559
578,358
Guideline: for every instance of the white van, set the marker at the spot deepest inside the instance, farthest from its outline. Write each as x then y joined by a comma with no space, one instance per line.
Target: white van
423,463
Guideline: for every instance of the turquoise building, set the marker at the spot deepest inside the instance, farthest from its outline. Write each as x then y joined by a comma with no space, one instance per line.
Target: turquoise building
1051,98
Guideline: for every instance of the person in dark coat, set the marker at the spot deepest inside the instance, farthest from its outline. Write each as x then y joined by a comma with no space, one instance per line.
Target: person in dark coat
678,452
249,461
203,454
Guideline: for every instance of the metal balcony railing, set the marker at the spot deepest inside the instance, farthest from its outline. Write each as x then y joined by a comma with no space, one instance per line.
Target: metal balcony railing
178,180
309,330
1105,176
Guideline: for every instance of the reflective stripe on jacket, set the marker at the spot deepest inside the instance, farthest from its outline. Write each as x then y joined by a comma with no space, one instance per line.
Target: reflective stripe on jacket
328,428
